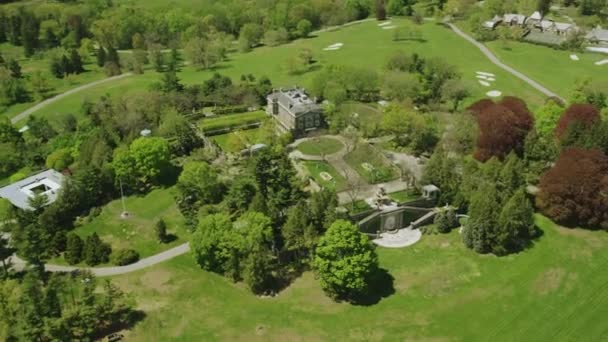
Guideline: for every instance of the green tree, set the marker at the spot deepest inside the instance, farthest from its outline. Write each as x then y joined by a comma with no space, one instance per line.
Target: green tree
101,57
73,254
304,28
170,82
481,230
250,36
96,251
76,62
240,195
31,316
446,220
345,261
516,224
209,245
161,230
144,163
59,159
298,233
6,251
197,185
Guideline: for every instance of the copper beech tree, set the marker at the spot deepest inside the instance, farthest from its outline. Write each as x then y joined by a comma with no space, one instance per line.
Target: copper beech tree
582,114
503,127
575,190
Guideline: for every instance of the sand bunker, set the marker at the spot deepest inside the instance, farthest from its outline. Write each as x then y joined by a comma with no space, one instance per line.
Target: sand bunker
597,49
389,27
333,47
602,62
485,73
491,79
574,57
494,93
484,83
326,176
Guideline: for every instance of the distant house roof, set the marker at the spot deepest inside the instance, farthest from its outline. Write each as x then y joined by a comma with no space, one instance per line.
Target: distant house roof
536,16
294,100
493,22
563,26
430,188
546,24
45,183
517,18
598,34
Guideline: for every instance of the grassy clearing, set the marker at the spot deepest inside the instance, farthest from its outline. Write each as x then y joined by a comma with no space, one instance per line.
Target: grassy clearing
368,115
554,291
315,168
381,170
320,146
551,68
137,232
232,120
404,196
250,136
365,44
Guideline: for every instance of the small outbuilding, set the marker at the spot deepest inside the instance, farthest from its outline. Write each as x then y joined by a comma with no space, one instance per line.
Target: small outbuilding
598,35
430,192
47,183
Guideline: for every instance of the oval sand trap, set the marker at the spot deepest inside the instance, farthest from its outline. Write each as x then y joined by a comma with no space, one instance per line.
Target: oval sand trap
494,93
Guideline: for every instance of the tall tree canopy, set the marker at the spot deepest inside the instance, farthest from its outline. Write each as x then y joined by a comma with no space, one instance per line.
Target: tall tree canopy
575,190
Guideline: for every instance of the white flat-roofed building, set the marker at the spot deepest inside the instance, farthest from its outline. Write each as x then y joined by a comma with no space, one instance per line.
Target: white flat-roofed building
47,183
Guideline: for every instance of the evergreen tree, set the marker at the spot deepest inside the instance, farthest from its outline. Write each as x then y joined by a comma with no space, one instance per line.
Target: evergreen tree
30,27
101,57
76,62
257,271
31,320
299,235
57,67
96,251
516,222
170,82
482,226
14,68
161,230
66,66
50,39
74,250
52,303
5,252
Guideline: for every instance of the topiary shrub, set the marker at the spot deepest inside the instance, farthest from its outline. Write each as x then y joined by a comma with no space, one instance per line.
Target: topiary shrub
125,257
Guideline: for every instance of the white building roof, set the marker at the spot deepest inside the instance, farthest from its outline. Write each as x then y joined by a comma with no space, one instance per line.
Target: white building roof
563,26
546,24
46,183
536,16
519,18
599,34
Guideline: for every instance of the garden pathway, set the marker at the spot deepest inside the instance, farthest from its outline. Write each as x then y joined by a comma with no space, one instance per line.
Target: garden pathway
48,101
20,264
501,65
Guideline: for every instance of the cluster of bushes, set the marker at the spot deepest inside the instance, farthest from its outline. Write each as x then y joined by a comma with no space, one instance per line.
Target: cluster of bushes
93,251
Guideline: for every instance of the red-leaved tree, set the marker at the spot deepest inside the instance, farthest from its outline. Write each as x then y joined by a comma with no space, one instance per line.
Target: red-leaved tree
574,192
585,114
503,127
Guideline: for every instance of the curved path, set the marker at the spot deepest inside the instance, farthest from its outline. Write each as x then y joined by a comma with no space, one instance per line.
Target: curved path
116,270
48,101
501,65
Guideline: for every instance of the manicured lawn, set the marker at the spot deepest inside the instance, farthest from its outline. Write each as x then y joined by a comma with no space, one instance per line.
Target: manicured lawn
365,44
320,146
137,232
338,182
368,115
250,136
404,196
231,120
554,291
552,68
381,170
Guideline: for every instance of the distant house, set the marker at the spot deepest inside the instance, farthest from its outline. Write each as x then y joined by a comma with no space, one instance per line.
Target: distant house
564,28
491,24
546,26
598,35
47,183
294,111
534,19
512,19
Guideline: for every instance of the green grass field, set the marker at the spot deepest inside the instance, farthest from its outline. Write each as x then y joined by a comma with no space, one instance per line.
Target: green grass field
320,146
554,291
552,68
338,182
251,136
231,120
365,44
364,153
404,196
137,232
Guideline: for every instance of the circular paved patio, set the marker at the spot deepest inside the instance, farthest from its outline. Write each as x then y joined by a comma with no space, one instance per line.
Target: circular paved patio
402,238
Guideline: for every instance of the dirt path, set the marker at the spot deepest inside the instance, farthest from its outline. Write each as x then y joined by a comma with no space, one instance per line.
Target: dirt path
503,66
30,111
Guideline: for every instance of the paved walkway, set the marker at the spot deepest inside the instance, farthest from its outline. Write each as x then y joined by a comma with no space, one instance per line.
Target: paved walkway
402,238
116,270
501,65
30,111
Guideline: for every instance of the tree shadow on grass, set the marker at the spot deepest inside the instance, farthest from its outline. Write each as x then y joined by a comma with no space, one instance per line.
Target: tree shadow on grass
128,319
170,238
382,286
